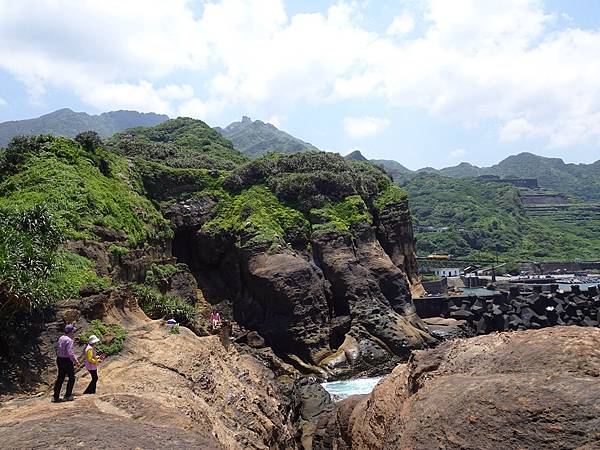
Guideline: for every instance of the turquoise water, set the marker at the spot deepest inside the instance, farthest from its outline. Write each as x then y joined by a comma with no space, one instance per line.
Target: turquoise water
342,389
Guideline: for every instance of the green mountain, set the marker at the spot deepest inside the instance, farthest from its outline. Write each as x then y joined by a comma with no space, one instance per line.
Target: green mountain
255,138
181,142
65,122
581,181
394,168
356,155
470,217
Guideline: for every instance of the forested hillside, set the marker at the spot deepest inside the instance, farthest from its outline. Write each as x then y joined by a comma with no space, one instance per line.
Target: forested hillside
483,218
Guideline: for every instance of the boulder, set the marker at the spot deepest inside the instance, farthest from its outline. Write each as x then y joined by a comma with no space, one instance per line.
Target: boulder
528,389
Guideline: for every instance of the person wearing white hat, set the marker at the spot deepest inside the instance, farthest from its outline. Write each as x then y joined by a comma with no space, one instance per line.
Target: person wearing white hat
91,363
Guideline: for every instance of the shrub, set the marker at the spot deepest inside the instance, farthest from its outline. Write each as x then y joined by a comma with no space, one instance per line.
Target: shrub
175,329
160,306
114,334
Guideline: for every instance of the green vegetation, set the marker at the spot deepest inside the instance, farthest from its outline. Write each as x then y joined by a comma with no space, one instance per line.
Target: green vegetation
342,215
51,190
175,329
162,182
258,216
112,337
392,195
160,273
484,218
60,174
182,143
159,306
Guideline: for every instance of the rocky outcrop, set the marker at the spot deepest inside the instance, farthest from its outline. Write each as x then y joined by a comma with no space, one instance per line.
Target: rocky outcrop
341,306
522,390
162,391
370,290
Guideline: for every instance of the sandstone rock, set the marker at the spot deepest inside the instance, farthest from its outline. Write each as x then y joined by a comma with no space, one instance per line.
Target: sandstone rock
531,389
161,391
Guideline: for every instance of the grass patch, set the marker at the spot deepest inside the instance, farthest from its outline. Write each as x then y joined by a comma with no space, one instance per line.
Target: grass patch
112,337
163,306
256,214
341,216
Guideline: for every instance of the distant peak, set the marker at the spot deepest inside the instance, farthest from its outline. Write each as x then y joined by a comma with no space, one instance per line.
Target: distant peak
356,155
246,119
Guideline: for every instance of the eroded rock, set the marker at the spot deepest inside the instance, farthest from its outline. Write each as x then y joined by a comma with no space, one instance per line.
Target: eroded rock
531,389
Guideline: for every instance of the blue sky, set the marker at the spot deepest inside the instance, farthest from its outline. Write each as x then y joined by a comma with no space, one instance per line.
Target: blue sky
424,82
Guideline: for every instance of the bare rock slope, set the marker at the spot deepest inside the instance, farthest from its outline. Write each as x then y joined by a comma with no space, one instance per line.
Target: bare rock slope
522,390
161,391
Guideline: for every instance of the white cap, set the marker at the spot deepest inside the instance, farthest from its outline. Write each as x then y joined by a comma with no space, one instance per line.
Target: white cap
93,339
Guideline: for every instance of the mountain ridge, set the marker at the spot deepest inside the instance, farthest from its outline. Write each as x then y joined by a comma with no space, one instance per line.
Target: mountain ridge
68,123
255,138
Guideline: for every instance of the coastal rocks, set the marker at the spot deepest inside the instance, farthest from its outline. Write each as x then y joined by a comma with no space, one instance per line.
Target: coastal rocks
528,389
163,390
339,305
520,311
286,302
395,233
371,295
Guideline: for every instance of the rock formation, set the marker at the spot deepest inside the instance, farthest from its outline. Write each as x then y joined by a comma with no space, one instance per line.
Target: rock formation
530,389
161,391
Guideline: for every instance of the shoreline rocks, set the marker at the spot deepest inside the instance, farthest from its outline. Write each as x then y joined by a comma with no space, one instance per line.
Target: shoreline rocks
525,389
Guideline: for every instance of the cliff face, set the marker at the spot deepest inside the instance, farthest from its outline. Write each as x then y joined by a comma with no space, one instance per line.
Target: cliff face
339,306
529,389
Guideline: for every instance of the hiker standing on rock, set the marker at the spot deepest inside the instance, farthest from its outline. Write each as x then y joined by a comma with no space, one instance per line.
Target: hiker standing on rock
91,363
66,362
215,319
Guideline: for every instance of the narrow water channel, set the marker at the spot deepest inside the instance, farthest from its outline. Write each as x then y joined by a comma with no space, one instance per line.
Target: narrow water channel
342,389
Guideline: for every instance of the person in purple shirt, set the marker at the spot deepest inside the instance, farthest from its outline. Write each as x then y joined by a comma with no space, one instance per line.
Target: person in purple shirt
66,362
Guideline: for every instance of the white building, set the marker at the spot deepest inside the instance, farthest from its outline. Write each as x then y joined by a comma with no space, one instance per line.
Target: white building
447,272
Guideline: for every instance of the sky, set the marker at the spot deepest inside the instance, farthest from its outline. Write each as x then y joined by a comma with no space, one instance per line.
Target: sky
423,82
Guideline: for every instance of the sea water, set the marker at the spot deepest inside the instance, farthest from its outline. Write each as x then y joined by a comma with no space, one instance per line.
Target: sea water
342,389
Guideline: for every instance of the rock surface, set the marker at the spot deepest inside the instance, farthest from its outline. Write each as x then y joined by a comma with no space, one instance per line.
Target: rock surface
161,391
522,390
340,308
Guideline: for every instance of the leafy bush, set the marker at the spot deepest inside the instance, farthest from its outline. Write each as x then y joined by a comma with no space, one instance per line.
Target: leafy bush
160,306
175,329
160,273
342,215
115,332
29,242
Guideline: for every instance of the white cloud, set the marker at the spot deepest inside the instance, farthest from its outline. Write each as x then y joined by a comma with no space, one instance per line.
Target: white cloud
401,25
362,127
468,60
3,102
457,153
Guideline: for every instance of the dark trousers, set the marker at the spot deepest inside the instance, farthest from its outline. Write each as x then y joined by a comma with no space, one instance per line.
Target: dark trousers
65,368
91,389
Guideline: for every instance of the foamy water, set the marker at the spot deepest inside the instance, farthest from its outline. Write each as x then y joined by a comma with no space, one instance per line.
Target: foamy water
342,389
